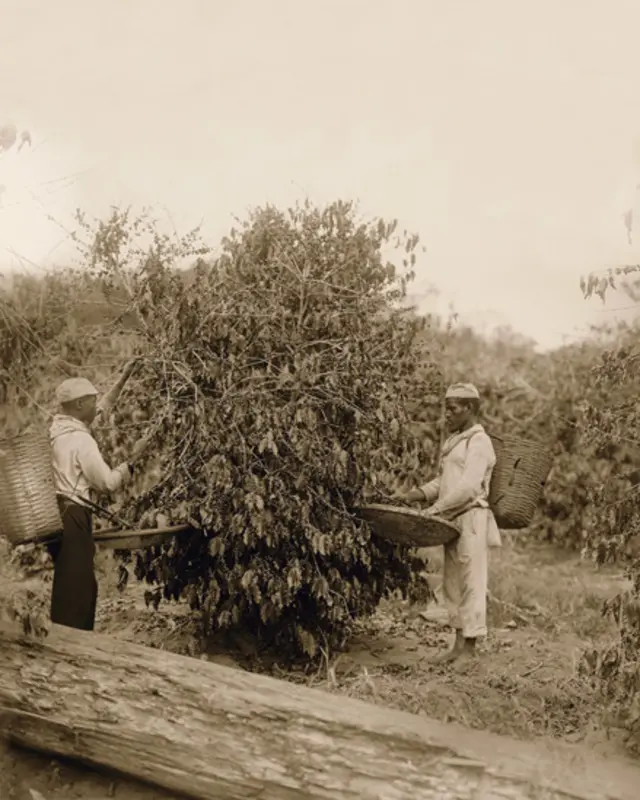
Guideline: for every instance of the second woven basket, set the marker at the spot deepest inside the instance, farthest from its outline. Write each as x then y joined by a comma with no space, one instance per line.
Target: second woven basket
28,506
522,468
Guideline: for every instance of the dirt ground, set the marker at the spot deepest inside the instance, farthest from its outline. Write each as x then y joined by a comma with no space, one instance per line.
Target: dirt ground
544,610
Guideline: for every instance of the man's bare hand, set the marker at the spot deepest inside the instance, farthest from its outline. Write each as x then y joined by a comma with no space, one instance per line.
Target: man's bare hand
110,398
129,368
412,496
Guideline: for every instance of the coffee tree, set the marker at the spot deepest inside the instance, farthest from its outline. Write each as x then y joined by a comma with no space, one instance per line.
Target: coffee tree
612,427
274,386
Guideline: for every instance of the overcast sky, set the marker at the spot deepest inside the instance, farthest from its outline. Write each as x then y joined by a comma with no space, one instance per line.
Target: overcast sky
502,131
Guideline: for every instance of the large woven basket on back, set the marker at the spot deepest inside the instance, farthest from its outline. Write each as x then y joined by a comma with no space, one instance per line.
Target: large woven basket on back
522,467
28,506
407,525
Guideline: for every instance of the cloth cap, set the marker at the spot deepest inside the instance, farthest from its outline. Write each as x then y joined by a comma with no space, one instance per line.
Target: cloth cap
73,389
462,391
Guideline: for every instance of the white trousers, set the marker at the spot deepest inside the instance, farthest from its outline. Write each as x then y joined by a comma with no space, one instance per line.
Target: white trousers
466,572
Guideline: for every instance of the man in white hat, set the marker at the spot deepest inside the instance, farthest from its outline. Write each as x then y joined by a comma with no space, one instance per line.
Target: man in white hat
460,492
79,470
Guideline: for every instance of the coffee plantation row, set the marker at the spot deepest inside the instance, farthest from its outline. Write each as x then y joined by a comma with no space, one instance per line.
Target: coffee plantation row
285,380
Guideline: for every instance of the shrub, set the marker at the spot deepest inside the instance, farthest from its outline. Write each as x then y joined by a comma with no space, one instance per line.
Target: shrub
611,428
275,384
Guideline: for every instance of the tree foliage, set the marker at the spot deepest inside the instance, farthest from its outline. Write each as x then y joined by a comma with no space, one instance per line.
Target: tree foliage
611,428
274,386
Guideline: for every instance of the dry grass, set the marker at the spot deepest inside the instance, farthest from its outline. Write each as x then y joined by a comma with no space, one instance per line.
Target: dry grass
553,590
542,587
544,608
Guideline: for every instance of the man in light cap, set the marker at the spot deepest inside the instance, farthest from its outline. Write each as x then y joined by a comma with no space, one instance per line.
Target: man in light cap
460,492
79,470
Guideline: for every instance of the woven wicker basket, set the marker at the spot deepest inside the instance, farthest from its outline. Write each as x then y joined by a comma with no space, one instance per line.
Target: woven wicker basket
522,467
28,506
407,525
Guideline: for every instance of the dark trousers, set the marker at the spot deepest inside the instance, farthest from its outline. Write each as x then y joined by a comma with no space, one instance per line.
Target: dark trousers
75,590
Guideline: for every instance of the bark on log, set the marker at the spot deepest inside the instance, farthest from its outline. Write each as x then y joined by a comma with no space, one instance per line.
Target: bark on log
208,732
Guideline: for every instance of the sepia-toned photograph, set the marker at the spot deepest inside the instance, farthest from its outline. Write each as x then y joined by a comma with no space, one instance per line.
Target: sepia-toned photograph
320,400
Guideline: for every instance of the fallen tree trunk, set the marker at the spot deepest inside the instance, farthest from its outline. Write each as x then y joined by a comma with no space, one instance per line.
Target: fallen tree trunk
207,731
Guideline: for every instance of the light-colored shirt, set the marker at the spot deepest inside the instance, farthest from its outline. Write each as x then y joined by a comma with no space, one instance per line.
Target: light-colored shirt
466,466
78,466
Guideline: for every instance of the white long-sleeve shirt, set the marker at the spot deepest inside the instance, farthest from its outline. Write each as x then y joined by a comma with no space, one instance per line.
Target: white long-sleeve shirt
466,466
78,466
